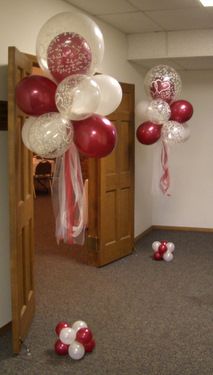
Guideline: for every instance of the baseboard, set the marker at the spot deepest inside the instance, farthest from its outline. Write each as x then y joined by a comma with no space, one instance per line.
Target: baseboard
166,227
144,233
5,328
186,229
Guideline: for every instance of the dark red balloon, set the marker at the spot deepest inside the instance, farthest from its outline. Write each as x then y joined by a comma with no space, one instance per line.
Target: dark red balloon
61,348
164,242
84,335
181,111
59,327
157,256
89,346
148,133
68,54
95,136
35,95
162,249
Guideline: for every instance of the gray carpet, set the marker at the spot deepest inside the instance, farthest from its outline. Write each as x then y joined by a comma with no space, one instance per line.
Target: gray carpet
148,317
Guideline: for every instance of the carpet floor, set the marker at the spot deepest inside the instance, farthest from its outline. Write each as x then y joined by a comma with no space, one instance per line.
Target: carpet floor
147,317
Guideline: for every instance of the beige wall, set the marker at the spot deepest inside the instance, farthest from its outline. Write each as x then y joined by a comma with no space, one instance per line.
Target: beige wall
20,22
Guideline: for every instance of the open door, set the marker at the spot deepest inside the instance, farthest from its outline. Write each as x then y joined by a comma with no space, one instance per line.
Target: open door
111,190
21,206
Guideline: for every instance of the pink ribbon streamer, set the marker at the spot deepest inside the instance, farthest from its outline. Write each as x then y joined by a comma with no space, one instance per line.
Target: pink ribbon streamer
165,178
68,198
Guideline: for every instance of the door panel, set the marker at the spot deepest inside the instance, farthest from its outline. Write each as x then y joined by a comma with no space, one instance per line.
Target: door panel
21,206
116,187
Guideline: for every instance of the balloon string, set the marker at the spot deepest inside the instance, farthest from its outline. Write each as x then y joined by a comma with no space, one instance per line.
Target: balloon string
69,198
165,178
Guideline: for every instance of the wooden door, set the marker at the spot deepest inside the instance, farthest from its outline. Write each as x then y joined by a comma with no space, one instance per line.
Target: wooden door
115,224
21,206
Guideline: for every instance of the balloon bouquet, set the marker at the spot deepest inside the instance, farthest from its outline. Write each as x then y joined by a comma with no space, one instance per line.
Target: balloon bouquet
75,340
164,117
67,110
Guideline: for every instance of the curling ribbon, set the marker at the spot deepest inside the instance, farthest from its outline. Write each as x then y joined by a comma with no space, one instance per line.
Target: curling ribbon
68,198
165,178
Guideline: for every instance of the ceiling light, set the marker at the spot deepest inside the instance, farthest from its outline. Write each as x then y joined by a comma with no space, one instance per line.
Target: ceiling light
207,3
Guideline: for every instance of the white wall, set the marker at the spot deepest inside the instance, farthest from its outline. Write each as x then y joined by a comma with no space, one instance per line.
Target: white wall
20,22
191,168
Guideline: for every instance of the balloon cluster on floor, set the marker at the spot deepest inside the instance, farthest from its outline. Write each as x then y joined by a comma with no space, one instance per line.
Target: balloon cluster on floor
163,250
75,340
164,117
68,103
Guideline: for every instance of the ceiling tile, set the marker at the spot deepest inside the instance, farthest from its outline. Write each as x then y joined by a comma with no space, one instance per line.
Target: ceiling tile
97,7
164,4
182,19
131,22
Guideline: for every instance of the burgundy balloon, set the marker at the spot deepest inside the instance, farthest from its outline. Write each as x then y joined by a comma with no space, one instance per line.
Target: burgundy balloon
181,111
148,133
164,242
59,327
157,256
162,249
89,346
68,54
84,335
35,95
95,136
61,348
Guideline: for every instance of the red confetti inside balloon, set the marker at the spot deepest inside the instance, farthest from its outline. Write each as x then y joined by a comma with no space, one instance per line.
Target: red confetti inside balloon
68,54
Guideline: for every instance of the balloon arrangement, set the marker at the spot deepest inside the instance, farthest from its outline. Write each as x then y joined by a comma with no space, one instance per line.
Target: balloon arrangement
67,110
75,340
164,117
163,250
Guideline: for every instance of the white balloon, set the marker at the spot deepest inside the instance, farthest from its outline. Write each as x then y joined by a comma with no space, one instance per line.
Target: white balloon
141,110
168,256
50,135
111,94
170,247
77,97
67,335
79,324
76,350
25,131
155,245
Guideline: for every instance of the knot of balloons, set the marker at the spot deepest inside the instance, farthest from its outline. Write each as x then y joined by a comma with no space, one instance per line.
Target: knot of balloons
163,250
74,340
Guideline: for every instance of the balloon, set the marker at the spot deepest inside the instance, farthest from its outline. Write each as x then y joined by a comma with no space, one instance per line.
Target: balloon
79,324
77,97
76,350
35,95
168,256
174,132
164,242
181,111
70,22
84,335
170,247
89,346
50,135
25,131
59,327
110,94
148,133
141,110
155,245
68,54
95,136
162,82
162,249
157,256
158,111
67,335
61,348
